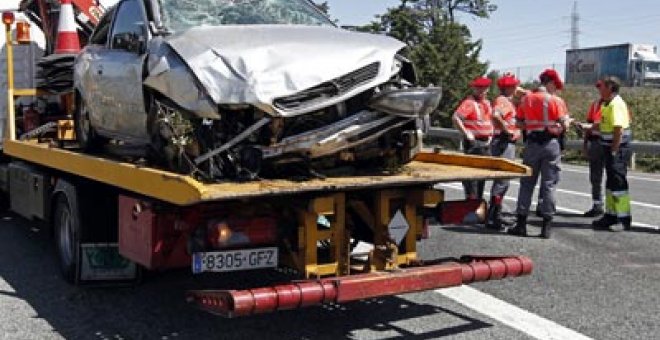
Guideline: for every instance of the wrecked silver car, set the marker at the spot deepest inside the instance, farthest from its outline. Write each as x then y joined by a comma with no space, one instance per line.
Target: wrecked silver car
241,89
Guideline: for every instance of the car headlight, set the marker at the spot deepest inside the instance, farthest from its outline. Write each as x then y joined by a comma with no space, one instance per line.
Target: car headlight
415,102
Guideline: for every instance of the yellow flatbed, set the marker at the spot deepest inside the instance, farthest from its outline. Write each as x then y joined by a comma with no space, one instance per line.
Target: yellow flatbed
427,168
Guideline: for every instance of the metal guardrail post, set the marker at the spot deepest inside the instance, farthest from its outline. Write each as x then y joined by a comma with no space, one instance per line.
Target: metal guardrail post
633,161
647,148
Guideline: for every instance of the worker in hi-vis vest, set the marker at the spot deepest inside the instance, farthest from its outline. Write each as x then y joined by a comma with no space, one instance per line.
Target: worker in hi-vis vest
505,136
615,137
593,152
473,118
544,117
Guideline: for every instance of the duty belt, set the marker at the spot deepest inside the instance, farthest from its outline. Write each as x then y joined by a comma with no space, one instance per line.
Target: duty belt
478,142
540,136
506,137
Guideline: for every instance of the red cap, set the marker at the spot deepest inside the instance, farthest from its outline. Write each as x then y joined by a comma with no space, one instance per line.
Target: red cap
554,76
481,82
508,80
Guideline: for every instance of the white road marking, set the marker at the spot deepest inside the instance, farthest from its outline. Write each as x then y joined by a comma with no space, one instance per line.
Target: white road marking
576,193
586,172
510,315
568,210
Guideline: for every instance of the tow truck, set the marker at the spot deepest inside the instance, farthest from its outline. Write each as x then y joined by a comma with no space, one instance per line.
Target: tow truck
340,238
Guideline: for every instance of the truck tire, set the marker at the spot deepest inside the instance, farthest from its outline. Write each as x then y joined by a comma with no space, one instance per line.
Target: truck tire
68,233
86,136
83,213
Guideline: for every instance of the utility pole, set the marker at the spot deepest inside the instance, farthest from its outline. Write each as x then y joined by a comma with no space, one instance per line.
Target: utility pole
575,27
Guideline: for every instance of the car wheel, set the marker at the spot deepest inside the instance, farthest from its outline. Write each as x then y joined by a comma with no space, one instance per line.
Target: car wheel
86,137
67,230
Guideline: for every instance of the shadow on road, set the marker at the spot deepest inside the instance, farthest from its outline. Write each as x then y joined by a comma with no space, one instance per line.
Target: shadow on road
533,224
568,215
156,309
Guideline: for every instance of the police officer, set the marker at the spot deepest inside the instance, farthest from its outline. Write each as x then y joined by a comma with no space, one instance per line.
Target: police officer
593,151
505,136
616,135
544,117
473,120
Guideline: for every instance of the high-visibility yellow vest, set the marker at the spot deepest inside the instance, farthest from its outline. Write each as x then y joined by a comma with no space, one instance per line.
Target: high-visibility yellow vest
615,114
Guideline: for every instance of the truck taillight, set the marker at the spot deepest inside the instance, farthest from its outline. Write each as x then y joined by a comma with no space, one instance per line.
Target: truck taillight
240,232
23,32
8,18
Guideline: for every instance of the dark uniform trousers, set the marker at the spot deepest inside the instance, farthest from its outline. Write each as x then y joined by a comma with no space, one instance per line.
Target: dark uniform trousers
544,157
596,169
502,146
616,168
475,189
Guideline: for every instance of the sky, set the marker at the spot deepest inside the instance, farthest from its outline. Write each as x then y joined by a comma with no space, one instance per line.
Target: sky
522,33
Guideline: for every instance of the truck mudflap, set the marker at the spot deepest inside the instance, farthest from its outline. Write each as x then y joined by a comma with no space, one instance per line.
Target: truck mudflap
298,294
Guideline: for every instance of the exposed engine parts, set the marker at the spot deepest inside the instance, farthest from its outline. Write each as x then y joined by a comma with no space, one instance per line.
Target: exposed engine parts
172,137
238,90
230,144
246,143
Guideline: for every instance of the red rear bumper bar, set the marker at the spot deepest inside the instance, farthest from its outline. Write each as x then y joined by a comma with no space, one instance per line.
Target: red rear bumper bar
234,303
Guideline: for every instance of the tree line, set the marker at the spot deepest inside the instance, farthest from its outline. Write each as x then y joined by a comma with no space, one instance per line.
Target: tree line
442,49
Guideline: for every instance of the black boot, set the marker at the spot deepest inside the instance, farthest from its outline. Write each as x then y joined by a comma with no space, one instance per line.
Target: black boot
521,227
627,223
605,222
493,219
595,211
545,229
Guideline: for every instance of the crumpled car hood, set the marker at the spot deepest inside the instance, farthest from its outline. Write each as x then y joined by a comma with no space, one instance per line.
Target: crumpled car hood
257,64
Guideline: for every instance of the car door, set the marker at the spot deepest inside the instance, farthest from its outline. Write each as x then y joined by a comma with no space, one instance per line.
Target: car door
87,68
119,70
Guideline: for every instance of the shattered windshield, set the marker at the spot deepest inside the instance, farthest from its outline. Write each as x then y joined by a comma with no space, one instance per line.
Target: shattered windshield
180,15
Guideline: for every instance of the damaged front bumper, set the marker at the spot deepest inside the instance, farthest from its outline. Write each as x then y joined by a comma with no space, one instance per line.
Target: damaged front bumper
389,110
353,131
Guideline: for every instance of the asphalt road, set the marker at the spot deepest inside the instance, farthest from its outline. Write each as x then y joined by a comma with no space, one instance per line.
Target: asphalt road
586,284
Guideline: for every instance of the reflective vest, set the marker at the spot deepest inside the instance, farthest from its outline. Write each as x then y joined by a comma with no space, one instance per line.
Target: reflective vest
594,116
615,114
476,116
502,106
541,111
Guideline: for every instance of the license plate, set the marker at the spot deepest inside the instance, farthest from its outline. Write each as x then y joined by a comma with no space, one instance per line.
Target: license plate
234,260
102,262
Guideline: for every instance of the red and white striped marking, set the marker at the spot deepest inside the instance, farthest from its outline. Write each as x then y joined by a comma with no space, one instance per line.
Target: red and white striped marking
67,35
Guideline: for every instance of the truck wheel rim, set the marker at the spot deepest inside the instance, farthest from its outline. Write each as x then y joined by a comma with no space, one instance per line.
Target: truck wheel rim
66,237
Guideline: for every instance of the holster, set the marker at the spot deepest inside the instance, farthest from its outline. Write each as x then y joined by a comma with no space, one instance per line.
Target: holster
500,143
540,137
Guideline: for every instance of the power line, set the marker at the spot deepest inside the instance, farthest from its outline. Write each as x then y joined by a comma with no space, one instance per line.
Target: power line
517,26
625,22
512,29
618,19
615,33
530,41
549,31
